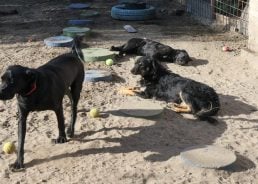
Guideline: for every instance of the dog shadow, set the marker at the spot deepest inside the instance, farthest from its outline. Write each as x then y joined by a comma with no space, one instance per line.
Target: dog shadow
117,79
165,138
232,107
241,164
197,62
139,113
122,59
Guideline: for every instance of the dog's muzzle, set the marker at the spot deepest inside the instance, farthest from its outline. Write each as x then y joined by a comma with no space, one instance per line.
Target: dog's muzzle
134,71
182,61
5,93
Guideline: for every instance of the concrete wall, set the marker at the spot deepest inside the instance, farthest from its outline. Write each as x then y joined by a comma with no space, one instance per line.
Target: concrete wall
253,26
251,54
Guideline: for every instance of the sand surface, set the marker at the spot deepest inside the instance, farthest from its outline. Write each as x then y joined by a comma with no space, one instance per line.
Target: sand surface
121,149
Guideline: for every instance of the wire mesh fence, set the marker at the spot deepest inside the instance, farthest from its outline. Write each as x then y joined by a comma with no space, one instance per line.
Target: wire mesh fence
230,14
233,14
230,8
201,10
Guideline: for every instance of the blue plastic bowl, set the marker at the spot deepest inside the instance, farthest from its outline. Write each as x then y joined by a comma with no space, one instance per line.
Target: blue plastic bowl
80,22
79,5
59,41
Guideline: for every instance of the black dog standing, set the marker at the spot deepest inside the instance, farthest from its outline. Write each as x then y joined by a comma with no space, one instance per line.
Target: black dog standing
43,89
156,50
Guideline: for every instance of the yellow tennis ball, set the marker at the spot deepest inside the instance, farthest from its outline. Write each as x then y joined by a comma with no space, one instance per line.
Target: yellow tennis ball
109,62
9,147
94,113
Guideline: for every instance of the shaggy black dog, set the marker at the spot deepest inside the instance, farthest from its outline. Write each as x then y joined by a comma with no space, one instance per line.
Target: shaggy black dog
156,50
187,95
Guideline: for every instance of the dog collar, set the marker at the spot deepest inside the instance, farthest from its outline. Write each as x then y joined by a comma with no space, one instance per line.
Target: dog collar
34,87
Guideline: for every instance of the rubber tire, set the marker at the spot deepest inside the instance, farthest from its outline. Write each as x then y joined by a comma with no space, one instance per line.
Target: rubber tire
117,12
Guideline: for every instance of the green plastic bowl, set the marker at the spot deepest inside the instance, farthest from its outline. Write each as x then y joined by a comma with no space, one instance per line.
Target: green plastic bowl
97,54
76,31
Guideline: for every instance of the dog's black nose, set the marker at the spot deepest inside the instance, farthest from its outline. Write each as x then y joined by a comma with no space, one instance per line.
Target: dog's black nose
135,71
183,61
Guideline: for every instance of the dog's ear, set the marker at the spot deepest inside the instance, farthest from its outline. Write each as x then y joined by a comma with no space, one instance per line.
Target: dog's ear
9,74
154,65
154,69
32,75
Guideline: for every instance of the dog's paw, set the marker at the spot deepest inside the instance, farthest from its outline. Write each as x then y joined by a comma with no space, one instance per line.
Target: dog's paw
70,132
131,91
180,108
173,107
60,140
16,166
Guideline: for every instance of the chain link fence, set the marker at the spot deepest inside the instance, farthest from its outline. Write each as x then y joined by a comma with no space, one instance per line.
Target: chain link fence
228,14
232,14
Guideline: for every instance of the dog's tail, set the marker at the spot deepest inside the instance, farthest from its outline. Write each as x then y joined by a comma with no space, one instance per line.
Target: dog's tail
205,114
76,48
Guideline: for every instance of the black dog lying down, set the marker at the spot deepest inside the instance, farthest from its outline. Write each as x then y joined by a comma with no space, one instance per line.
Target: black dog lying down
43,89
159,51
187,95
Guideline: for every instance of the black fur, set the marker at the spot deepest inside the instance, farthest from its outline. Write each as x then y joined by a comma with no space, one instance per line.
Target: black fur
202,100
8,12
43,89
156,50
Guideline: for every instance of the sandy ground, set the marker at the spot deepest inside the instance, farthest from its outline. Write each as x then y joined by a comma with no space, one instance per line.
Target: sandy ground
121,149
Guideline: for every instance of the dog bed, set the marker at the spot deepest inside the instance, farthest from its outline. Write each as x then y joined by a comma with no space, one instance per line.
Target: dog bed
76,31
97,54
140,108
121,13
79,5
89,13
97,75
59,41
208,156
